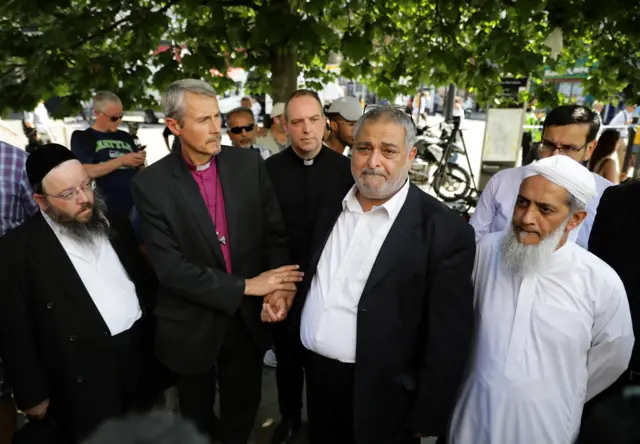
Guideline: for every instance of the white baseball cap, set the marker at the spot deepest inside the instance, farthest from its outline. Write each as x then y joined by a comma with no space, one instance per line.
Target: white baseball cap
277,110
348,107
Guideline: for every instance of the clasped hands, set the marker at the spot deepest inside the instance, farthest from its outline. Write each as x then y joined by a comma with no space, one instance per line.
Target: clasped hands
278,287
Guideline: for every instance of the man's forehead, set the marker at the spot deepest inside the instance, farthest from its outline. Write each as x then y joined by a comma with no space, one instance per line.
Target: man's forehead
241,118
197,103
539,187
303,106
113,106
382,130
68,173
567,134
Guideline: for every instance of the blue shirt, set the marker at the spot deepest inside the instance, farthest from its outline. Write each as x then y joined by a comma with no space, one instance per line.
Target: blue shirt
16,196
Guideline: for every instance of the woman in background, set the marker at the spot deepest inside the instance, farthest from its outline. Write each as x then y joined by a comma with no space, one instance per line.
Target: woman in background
603,161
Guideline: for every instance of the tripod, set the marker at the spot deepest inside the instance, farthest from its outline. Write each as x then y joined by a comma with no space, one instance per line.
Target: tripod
445,171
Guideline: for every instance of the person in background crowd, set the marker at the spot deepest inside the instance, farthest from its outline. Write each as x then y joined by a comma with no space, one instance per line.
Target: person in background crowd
623,118
16,205
75,289
597,108
133,132
215,237
301,188
343,115
108,154
152,428
554,328
568,130
614,240
241,129
276,139
253,105
39,120
175,145
603,161
389,297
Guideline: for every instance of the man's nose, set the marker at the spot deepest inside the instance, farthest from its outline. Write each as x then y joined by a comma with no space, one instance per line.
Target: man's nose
373,161
81,197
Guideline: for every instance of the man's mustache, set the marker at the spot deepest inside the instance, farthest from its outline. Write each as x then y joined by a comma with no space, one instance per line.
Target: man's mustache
372,172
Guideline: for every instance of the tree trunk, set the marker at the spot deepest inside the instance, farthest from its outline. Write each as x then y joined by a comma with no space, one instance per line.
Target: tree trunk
284,73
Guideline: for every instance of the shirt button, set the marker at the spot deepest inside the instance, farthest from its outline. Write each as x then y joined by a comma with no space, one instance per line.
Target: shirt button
72,338
362,310
106,333
50,305
80,379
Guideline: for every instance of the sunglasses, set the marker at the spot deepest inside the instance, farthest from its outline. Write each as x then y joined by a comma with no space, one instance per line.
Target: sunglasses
238,129
113,118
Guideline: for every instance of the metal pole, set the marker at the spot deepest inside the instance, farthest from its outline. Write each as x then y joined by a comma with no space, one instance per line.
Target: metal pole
451,97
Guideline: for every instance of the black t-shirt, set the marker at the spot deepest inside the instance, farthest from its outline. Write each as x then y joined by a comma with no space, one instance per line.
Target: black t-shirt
94,147
301,191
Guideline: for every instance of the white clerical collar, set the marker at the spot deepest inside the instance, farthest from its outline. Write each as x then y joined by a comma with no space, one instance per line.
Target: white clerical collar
307,162
203,167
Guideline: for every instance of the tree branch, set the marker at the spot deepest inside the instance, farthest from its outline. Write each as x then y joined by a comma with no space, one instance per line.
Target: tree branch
103,32
226,32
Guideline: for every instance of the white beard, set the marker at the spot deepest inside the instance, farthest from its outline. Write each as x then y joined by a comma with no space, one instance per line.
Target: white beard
523,259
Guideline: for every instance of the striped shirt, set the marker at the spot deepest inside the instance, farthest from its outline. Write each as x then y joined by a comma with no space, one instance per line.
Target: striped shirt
16,196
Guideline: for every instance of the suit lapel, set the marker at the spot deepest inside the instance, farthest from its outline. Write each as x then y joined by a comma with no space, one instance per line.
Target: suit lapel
47,250
398,239
231,201
190,192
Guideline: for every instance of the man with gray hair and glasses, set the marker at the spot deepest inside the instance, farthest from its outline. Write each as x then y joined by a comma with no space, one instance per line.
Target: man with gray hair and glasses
387,306
221,276
109,155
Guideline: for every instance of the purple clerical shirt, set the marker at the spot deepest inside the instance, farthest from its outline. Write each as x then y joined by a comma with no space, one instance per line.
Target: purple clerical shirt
206,176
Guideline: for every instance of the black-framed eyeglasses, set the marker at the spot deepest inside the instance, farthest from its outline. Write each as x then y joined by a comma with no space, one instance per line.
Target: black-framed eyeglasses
549,147
113,118
72,194
238,129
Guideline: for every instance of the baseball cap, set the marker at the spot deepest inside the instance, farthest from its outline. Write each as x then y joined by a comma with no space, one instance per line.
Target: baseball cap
277,110
348,107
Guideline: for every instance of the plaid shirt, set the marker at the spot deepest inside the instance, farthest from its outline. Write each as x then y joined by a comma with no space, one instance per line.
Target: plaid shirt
16,196
16,202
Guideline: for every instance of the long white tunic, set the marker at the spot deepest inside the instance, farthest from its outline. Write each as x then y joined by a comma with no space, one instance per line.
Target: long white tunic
544,345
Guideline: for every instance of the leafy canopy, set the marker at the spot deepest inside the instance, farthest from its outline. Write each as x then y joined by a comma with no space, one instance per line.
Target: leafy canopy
70,48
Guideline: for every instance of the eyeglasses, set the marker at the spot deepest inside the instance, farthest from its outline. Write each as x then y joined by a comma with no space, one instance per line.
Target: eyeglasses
549,147
113,118
72,194
238,129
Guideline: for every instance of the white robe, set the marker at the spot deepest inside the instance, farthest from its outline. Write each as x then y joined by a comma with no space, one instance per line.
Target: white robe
544,345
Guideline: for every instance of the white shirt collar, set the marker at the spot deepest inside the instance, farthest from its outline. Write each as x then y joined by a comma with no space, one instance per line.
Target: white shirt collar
392,206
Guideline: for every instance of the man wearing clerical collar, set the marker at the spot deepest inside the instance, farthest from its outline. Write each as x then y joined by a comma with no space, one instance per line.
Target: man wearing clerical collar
553,323
215,237
75,292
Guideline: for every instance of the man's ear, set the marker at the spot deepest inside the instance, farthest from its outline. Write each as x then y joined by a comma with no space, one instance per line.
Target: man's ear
173,126
590,148
576,219
333,126
40,200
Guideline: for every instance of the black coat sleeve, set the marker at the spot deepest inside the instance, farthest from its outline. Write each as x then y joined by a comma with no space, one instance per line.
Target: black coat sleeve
199,284
604,233
276,242
24,369
449,316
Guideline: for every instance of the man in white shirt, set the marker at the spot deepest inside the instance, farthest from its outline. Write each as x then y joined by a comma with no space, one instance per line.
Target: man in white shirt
75,287
387,319
569,130
554,327
39,120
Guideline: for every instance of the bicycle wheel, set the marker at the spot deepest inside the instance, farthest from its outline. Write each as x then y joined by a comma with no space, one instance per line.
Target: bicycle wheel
452,183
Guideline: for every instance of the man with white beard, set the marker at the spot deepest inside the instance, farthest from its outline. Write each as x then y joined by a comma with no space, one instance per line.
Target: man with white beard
553,327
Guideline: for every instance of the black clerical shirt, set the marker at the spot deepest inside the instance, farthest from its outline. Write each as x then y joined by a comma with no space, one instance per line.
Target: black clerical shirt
301,187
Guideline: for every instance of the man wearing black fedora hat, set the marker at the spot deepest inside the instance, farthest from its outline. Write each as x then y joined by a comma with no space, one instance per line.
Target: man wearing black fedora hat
75,290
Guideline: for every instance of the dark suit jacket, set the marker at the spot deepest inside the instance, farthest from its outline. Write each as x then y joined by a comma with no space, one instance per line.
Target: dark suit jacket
52,336
614,239
415,320
197,297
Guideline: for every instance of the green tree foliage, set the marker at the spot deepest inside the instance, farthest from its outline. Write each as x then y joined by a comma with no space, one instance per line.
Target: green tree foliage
69,48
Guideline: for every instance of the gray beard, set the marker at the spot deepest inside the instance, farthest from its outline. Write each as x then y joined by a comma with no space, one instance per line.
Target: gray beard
84,232
523,259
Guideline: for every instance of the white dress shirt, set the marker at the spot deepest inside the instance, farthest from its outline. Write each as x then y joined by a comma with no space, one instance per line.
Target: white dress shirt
495,207
330,313
104,277
545,343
